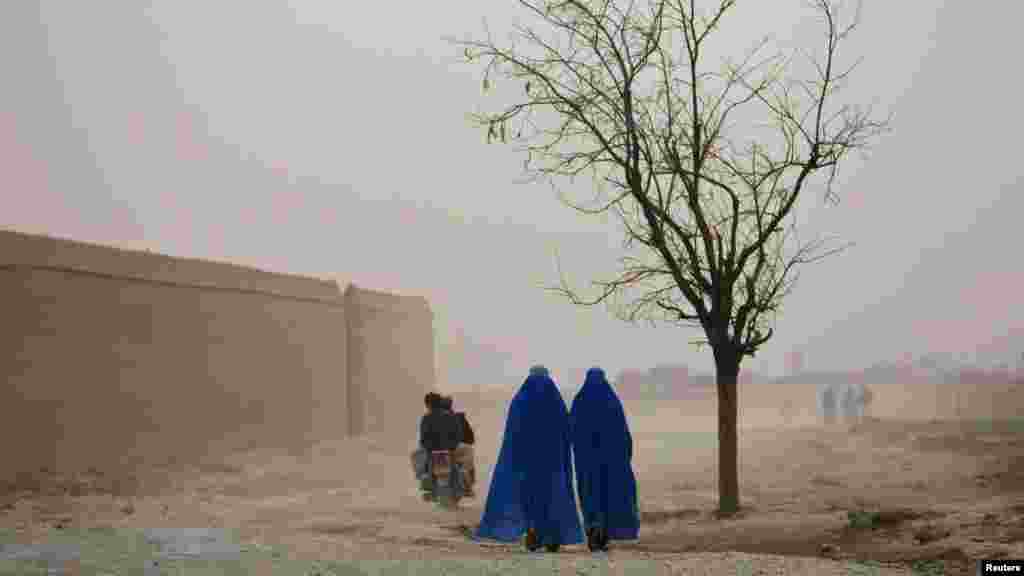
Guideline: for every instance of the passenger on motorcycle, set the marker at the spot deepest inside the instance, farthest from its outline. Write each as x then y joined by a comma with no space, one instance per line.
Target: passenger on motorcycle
464,455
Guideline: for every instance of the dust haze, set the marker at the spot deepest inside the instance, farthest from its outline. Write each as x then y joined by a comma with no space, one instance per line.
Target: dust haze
330,140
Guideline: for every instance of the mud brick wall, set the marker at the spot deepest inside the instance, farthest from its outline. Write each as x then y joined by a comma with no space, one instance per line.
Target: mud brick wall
391,362
111,357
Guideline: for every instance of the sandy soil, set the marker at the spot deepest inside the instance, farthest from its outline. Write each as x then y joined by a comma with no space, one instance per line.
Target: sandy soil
942,490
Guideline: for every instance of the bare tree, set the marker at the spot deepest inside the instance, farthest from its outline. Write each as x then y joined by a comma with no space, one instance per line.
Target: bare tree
623,92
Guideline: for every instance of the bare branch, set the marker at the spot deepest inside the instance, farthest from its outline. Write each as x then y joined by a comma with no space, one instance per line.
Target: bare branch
620,90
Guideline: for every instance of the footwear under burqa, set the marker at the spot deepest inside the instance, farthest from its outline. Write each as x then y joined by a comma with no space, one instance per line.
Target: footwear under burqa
603,452
531,486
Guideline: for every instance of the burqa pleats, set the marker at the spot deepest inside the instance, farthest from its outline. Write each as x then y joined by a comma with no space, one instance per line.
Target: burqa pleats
531,486
603,452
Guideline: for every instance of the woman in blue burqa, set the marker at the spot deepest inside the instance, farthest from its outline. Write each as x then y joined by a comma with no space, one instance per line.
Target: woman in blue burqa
531,490
603,449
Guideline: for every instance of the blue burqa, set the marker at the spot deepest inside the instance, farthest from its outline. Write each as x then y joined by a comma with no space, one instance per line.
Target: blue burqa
531,486
603,449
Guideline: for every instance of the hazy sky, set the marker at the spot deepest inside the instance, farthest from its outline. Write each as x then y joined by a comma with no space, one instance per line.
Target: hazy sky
329,138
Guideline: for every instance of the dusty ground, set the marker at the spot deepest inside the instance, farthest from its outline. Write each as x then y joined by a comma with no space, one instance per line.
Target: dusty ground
943,492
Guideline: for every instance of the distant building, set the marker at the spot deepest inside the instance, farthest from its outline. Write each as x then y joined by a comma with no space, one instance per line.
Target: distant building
628,383
668,379
664,381
794,363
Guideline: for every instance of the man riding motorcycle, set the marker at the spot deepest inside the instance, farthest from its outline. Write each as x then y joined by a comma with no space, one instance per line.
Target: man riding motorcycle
420,457
440,477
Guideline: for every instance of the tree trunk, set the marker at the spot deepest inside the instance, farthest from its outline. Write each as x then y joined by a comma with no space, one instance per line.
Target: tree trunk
727,370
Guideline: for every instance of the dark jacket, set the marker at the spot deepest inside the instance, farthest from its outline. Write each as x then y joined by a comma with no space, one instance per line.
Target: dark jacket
465,430
439,430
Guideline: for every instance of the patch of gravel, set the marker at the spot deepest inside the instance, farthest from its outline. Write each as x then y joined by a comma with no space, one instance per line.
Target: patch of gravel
616,564
741,563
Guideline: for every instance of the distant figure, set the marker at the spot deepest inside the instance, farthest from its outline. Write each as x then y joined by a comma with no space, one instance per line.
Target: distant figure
869,396
464,453
853,403
603,453
829,403
848,404
531,489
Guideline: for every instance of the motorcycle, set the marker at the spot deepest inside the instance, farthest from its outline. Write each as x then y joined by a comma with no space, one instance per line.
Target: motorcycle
441,478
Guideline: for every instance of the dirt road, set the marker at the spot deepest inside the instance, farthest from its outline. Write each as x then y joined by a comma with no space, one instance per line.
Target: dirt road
884,497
